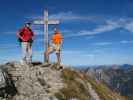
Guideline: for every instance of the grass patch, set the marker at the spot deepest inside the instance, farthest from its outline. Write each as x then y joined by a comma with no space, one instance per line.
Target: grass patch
74,88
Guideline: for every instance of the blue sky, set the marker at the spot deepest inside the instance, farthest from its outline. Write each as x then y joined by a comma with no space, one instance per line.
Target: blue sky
95,32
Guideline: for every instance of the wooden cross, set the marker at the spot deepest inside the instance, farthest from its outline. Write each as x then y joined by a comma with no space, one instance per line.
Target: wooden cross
46,22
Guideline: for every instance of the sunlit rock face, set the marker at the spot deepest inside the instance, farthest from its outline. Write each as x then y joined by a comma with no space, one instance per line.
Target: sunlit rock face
34,82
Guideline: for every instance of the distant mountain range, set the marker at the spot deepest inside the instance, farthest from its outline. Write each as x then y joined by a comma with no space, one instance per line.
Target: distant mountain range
118,77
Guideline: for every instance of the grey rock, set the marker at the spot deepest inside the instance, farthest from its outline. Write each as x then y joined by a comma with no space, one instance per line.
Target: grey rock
34,82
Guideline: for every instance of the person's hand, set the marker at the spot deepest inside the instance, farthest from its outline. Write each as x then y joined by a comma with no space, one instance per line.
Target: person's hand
21,38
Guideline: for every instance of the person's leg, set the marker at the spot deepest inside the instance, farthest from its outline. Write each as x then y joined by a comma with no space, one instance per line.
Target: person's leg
24,50
48,51
58,58
57,47
29,49
27,54
47,54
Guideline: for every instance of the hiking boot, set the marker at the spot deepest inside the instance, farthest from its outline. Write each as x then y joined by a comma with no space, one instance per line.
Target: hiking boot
46,62
57,66
29,61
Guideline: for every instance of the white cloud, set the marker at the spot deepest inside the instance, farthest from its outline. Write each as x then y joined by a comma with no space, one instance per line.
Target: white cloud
109,26
72,52
129,26
126,42
9,32
90,55
71,16
78,52
67,16
8,46
62,15
90,37
69,52
103,43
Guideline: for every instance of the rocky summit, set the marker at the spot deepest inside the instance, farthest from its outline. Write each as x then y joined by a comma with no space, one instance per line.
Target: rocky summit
45,82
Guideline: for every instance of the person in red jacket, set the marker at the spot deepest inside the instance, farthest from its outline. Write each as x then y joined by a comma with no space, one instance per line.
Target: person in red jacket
25,36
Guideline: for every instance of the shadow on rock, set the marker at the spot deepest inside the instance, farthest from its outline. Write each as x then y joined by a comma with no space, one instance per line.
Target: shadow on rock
9,89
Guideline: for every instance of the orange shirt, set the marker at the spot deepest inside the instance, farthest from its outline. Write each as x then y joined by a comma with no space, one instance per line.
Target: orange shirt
56,38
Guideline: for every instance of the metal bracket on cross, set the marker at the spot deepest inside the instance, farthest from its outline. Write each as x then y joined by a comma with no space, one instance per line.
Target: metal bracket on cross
46,22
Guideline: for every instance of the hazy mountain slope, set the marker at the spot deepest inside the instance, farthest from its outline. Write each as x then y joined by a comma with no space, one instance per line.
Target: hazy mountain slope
118,77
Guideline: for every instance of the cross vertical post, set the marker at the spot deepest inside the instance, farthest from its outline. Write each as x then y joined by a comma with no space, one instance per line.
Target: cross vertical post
45,32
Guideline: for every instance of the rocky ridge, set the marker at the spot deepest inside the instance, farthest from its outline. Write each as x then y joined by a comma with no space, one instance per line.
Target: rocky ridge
41,82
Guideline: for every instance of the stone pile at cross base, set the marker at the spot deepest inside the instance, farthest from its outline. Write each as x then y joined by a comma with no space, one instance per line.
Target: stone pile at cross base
34,82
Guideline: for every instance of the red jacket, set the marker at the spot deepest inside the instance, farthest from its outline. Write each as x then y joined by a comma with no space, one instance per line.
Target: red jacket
25,34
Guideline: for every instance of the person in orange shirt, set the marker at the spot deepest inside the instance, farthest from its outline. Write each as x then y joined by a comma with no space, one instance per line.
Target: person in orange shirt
55,46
